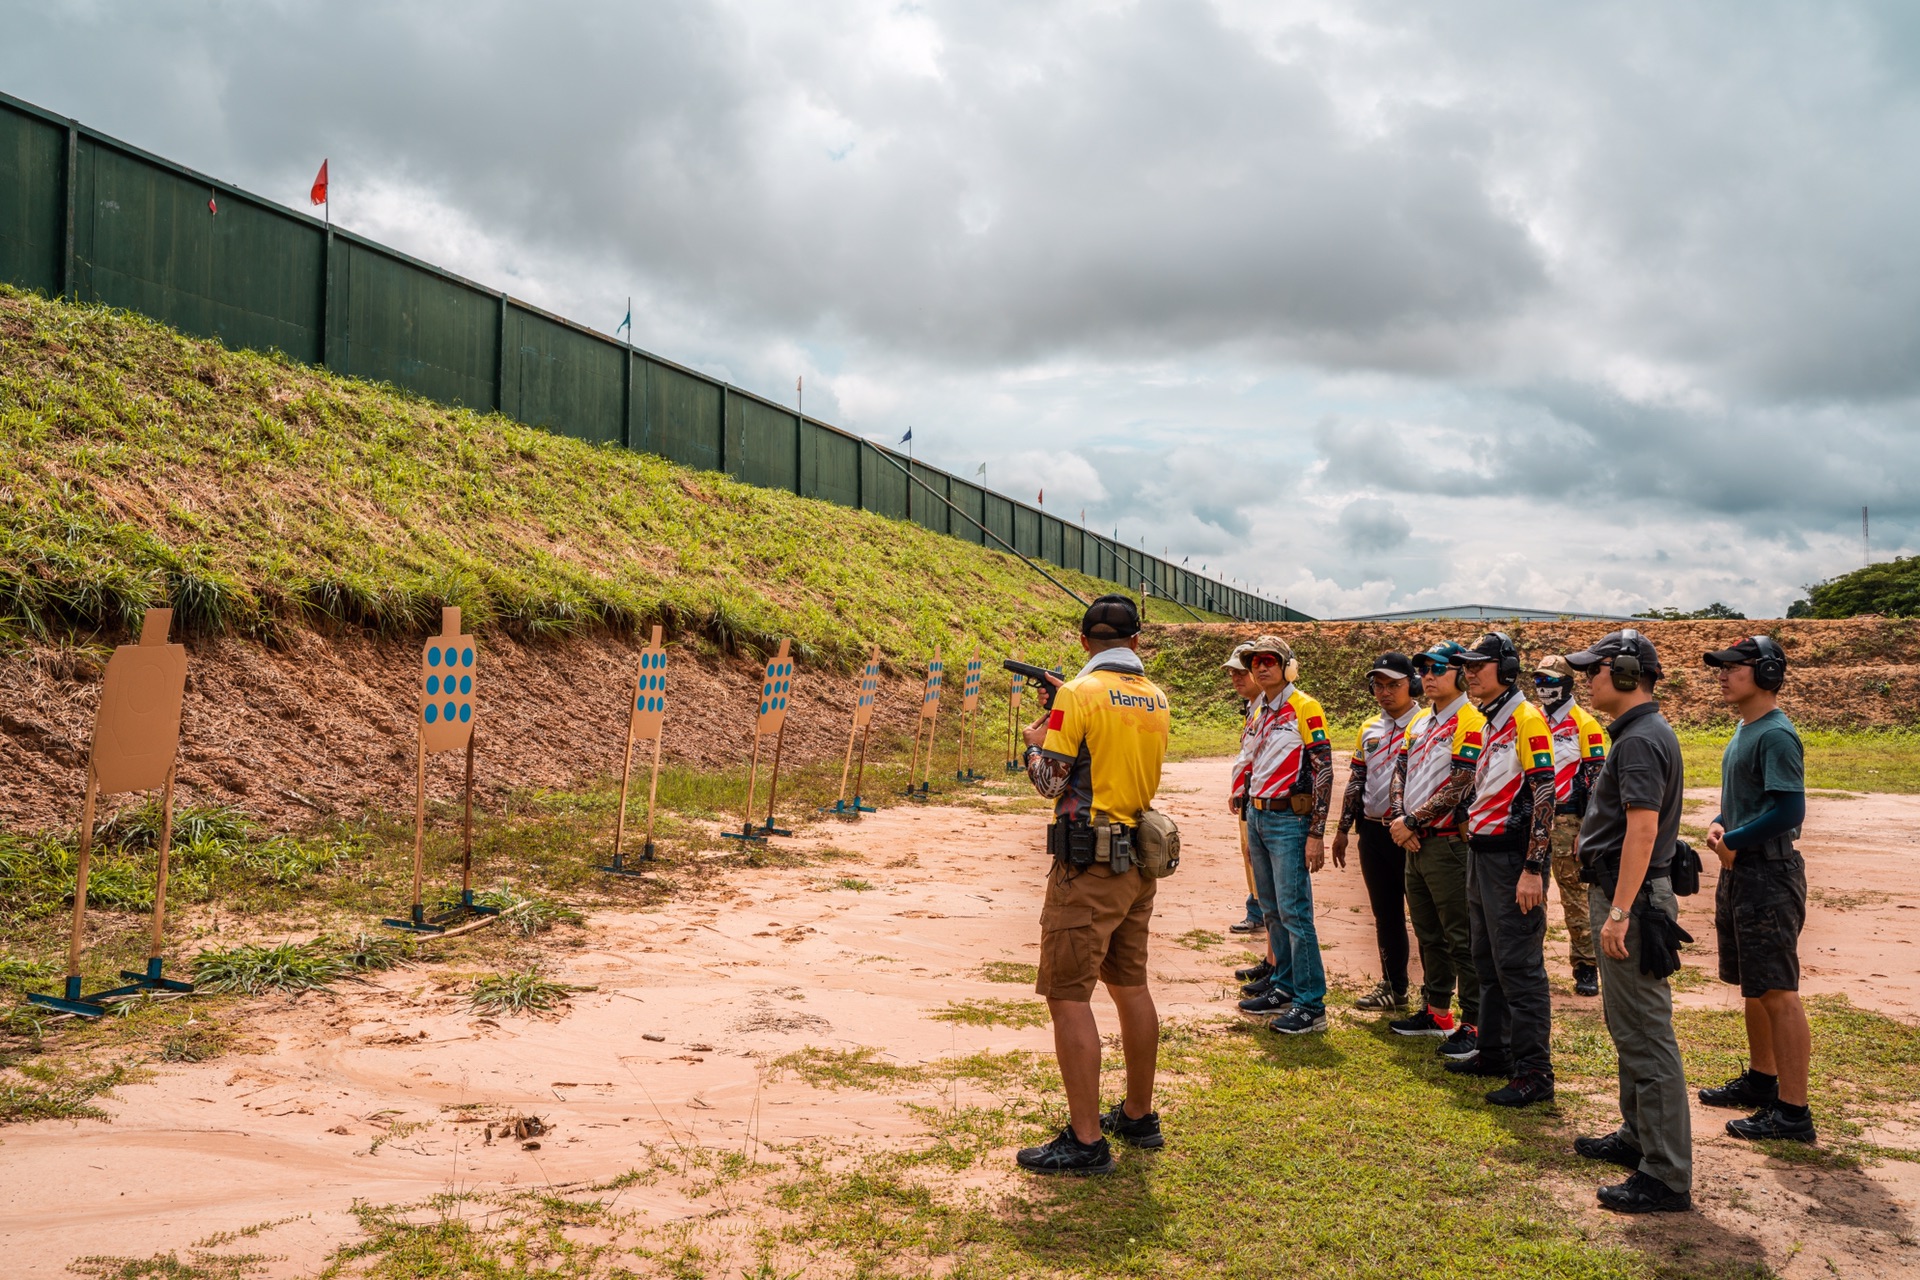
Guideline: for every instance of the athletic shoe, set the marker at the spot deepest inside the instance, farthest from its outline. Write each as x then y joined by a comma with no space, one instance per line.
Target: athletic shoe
1383,996
1644,1193
1427,1022
1586,980
1613,1149
1772,1124
1248,925
1144,1132
1067,1154
1298,1022
1484,1063
1743,1093
1523,1091
1260,986
1463,1043
1254,973
1270,1003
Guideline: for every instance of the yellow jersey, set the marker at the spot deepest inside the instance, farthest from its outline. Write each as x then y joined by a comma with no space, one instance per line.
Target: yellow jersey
1112,728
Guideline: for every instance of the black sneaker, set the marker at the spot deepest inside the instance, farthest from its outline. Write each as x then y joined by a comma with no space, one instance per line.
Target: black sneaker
1523,1091
1586,980
1383,996
1273,1001
1491,1065
1612,1148
1463,1043
1067,1154
1260,986
1299,1022
1644,1193
1249,925
1770,1124
1254,973
1423,1023
1144,1132
1743,1093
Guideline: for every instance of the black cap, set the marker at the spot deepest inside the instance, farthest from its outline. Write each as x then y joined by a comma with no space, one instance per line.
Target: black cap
1110,618
1487,648
1747,651
1613,645
1394,666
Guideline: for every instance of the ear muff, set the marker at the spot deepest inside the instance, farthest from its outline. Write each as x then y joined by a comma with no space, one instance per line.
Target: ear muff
1509,659
1416,686
1770,668
1293,670
1625,667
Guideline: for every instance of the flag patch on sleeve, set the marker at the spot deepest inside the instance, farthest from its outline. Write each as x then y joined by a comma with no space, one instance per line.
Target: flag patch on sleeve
1057,719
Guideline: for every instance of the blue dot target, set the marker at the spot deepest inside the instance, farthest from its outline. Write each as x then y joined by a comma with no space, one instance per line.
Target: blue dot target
646,717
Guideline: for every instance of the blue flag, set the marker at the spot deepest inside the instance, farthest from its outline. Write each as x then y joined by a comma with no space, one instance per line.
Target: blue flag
626,324
909,436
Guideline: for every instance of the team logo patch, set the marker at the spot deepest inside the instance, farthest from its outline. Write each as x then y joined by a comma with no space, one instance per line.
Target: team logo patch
1057,720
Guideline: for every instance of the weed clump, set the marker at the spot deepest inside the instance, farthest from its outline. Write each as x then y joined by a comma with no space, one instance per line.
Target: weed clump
252,970
523,991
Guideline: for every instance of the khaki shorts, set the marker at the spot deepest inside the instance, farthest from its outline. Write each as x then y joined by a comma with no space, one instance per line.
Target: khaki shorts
1094,925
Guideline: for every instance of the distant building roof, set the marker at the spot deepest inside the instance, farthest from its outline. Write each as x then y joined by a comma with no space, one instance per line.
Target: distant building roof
1486,613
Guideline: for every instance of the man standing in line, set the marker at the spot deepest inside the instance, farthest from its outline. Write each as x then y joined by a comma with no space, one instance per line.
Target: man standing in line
1289,790
1510,833
1383,864
1579,749
1626,853
1432,782
1247,691
1097,755
1760,904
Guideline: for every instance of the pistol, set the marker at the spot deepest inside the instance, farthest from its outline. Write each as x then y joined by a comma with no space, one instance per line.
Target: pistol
1036,679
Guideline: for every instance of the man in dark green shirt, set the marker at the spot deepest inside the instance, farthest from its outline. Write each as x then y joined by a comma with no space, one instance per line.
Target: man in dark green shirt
1760,904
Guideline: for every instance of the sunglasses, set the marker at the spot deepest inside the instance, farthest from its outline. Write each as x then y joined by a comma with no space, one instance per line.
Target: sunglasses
1552,681
1262,660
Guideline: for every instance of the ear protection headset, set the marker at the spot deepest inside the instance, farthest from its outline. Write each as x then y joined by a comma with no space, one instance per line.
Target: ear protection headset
1625,668
1770,668
1415,685
1293,670
1509,658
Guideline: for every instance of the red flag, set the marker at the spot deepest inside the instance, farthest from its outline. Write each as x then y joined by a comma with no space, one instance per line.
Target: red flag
213,206
319,193
1043,498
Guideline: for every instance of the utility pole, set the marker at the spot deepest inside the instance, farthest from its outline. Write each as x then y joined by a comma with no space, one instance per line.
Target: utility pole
1866,547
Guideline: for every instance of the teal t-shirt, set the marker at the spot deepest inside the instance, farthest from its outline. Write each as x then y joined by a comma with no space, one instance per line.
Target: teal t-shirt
1763,756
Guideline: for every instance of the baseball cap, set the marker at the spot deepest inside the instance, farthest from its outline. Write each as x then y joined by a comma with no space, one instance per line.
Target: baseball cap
1110,618
1612,645
1394,666
1439,657
1237,660
1746,651
1555,665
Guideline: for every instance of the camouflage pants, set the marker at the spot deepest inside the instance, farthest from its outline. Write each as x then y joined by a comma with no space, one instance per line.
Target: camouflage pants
1573,894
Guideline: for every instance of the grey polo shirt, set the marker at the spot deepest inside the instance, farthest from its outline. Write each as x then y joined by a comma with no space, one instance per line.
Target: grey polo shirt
1643,771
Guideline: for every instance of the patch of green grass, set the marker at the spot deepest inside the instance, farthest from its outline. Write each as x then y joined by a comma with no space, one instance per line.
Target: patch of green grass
32,1091
987,1013
523,1236
1010,971
526,914
853,884
861,1068
1200,939
201,1264
522,991
1885,760
251,969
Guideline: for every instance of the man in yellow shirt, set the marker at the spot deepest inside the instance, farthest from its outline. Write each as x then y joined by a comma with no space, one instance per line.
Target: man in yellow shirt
1097,756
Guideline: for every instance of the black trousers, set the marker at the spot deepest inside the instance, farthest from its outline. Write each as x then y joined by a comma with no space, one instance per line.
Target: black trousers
1509,950
1383,865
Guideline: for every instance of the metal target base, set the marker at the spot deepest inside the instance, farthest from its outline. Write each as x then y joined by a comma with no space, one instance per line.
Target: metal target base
848,809
619,867
152,981
451,913
748,833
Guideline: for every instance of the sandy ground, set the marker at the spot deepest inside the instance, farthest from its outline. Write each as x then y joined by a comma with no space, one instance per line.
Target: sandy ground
357,1097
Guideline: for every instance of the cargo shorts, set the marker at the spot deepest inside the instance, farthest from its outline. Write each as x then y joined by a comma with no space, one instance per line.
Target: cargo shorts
1093,928
1759,908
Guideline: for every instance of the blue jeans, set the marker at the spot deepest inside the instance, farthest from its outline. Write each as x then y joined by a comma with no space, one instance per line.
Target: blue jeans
1277,841
1253,910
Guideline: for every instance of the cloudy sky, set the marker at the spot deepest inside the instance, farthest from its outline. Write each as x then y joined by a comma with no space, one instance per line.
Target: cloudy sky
1371,305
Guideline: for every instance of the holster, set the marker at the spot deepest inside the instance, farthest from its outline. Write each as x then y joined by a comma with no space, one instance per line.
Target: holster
1073,843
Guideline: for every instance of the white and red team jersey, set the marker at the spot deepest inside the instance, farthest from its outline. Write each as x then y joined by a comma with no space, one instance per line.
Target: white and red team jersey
1577,738
1277,752
1434,742
1378,750
1243,762
1519,745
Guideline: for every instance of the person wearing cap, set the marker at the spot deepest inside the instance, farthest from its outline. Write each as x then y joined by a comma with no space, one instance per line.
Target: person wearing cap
1097,756
1245,689
1432,782
1289,788
1510,834
1365,806
1627,839
1579,749
1760,904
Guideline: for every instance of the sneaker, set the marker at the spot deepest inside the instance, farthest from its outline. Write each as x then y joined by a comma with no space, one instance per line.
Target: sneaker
1383,996
1254,973
1272,1002
1249,925
1299,1022
1522,1091
1612,1148
1260,986
1772,1124
1484,1063
1144,1132
1463,1043
1644,1193
1586,980
1742,1093
1067,1154
1427,1022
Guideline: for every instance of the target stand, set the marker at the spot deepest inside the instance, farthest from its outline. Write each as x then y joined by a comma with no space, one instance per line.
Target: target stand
969,716
1013,723
136,739
646,714
851,809
776,687
445,720
929,719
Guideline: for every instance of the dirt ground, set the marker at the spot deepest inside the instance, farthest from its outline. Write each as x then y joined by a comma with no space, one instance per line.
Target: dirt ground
353,1100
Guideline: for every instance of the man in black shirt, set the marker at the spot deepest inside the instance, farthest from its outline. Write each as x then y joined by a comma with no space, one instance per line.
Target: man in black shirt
1626,850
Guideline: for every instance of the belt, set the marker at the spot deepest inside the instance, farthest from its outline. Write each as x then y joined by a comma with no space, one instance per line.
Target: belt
1269,804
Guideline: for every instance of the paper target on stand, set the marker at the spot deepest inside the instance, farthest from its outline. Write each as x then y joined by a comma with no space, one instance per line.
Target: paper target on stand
449,665
136,731
1013,697
869,690
970,691
649,692
930,694
776,686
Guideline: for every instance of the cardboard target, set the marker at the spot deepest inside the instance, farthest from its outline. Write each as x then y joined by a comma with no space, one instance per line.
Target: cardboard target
649,693
930,692
136,732
1013,698
776,686
449,665
970,691
869,690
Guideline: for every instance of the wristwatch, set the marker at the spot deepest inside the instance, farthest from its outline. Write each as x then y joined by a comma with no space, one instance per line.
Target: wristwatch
1615,914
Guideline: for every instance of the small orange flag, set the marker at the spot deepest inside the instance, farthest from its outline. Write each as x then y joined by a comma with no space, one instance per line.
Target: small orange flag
319,193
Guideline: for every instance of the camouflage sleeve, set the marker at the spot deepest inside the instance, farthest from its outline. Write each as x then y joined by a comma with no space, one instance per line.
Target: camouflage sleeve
1353,800
1540,834
1583,780
1320,760
1397,788
1452,794
1048,774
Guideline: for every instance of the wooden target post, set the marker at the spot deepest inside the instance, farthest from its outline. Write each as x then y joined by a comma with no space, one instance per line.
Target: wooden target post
930,718
776,687
862,727
449,705
969,714
1013,723
136,739
646,714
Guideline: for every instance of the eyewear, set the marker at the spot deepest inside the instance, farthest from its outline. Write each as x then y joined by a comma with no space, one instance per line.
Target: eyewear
1552,682
1262,660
